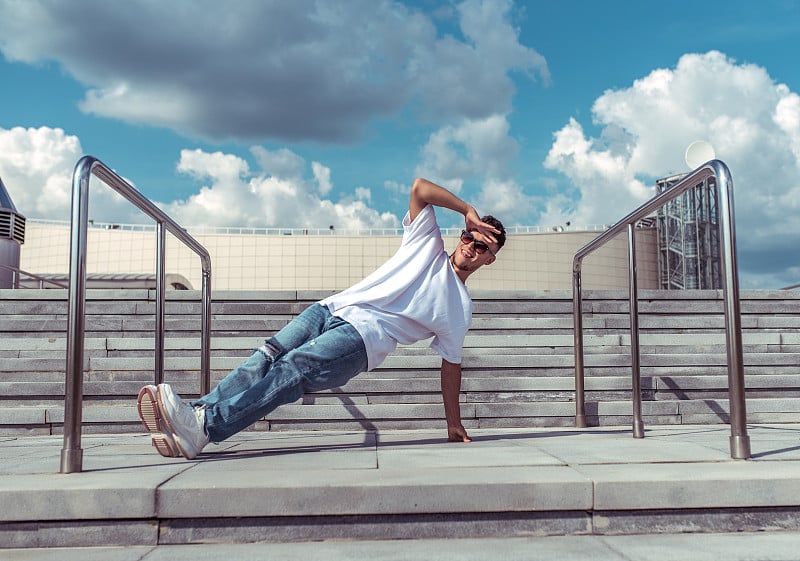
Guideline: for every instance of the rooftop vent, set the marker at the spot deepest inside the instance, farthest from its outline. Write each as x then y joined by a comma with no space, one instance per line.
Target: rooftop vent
12,223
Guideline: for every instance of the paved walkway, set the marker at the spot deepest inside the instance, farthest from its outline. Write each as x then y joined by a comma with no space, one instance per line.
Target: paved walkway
599,476
761,546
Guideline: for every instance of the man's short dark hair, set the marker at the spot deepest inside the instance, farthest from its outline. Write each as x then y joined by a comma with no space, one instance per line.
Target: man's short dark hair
495,223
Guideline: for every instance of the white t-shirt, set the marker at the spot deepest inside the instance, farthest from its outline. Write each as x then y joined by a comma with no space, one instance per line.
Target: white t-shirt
415,295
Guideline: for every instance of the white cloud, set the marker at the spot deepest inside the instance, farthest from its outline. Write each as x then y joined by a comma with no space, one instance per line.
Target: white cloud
480,150
397,192
221,203
608,186
281,163
236,196
36,165
225,168
323,176
363,194
750,120
787,117
470,79
271,68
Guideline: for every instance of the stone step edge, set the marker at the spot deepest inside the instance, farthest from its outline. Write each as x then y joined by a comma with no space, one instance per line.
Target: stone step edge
364,528
525,488
38,415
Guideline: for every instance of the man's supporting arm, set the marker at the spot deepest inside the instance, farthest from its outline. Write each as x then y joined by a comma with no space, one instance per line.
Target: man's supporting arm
451,388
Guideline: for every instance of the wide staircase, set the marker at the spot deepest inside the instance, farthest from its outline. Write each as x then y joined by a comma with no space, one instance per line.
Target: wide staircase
518,363
368,461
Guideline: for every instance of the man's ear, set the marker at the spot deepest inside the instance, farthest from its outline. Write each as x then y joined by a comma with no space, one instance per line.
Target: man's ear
491,260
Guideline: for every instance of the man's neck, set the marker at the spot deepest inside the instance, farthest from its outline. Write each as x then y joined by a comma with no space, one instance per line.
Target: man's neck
460,273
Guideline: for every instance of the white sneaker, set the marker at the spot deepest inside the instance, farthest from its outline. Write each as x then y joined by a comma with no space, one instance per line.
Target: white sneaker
147,404
186,423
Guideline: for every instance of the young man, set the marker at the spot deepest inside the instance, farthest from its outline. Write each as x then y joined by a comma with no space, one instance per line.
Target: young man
417,294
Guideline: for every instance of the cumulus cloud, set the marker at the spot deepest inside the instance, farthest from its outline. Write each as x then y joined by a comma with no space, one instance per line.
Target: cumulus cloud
277,195
752,122
481,150
270,68
470,78
323,176
36,165
364,194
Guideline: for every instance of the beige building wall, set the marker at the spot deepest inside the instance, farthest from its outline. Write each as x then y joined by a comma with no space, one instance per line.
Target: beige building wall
529,261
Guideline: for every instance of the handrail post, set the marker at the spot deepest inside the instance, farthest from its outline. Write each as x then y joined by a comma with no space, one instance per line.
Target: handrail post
636,388
205,343
739,440
577,330
161,236
71,453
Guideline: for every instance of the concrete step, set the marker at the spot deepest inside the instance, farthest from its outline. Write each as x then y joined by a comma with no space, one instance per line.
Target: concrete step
369,461
337,412
389,485
650,342
519,351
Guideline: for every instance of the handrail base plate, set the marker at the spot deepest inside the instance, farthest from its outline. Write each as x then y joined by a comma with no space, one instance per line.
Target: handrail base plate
71,460
740,447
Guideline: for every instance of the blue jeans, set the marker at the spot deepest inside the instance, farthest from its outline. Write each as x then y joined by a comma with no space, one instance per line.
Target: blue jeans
316,351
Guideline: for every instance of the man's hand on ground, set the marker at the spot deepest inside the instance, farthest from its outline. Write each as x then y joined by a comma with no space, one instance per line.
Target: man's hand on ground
457,434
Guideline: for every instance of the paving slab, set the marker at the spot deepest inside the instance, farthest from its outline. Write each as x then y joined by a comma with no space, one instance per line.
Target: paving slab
261,452
425,450
743,546
129,553
612,449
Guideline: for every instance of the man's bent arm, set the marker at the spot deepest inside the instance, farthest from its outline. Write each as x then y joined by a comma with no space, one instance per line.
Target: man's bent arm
451,388
424,192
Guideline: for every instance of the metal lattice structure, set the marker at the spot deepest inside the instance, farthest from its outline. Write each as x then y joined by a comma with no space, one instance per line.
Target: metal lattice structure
688,237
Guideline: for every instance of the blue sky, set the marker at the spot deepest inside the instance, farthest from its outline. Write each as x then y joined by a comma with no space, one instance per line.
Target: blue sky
315,113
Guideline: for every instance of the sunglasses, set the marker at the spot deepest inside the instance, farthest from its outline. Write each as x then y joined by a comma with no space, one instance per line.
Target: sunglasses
480,247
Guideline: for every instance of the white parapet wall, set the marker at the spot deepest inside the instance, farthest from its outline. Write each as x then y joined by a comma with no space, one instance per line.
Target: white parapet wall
258,261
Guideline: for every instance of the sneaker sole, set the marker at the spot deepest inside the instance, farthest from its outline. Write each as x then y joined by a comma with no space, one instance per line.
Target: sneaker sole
177,438
147,405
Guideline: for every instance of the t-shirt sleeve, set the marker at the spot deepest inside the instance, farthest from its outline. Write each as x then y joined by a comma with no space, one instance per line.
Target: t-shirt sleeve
448,348
422,226
450,344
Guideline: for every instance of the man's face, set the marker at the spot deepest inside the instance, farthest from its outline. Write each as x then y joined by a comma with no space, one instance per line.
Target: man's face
473,251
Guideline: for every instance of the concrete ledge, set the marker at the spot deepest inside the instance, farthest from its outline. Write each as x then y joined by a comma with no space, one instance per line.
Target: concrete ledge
706,520
399,484
79,533
379,492
81,497
375,527
720,485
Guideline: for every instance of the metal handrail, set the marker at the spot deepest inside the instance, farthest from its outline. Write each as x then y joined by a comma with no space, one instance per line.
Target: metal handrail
739,440
72,454
18,273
